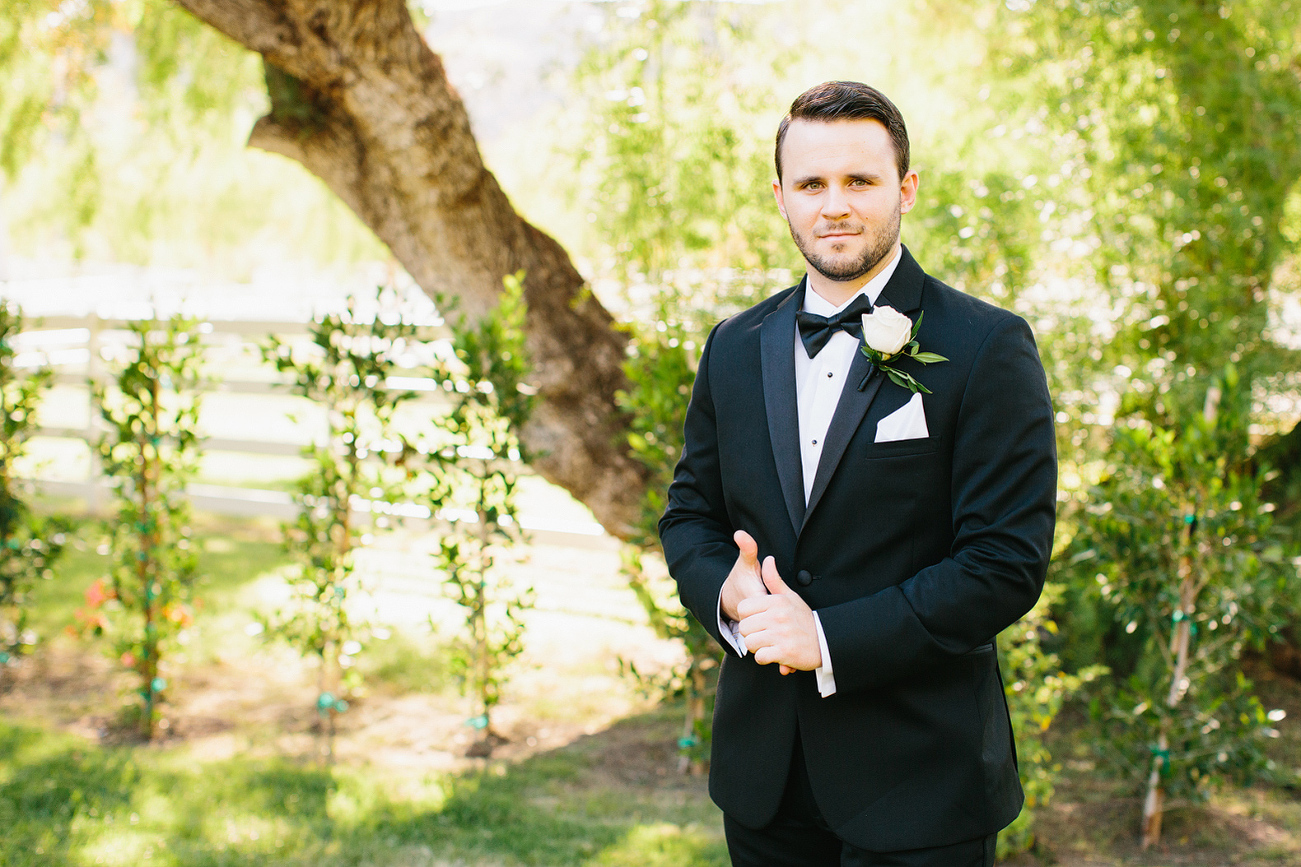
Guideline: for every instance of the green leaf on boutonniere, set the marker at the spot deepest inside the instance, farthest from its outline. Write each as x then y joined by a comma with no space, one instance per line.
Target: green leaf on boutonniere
917,326
898,377
912,350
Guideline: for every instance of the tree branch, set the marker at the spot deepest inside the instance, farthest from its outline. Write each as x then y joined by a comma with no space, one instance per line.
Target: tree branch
358,99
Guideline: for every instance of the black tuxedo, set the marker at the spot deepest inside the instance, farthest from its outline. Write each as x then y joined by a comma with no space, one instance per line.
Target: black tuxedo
915,554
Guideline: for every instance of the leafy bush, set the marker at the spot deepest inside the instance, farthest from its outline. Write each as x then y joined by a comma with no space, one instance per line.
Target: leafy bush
1183,554
29,543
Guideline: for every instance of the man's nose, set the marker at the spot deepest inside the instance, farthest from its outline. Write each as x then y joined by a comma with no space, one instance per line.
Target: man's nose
835,204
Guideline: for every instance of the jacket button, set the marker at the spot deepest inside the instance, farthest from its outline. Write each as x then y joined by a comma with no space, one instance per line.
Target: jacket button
804,578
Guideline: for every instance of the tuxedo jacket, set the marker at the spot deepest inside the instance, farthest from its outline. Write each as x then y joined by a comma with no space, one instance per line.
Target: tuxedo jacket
914,553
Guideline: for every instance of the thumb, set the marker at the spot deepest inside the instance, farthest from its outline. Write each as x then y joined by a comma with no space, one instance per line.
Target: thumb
771,579
749,548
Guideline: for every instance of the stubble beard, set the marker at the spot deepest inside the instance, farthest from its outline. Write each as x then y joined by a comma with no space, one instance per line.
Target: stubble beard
879,247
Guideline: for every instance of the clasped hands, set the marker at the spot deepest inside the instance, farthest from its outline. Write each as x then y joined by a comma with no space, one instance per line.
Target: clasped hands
776,622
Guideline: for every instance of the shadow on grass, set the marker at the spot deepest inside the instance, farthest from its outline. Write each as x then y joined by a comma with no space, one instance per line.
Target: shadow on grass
601,801
47,787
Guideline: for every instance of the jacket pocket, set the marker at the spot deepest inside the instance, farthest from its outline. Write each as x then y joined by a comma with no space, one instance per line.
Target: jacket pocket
903,448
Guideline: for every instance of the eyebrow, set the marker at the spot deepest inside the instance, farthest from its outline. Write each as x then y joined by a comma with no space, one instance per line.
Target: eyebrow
857,176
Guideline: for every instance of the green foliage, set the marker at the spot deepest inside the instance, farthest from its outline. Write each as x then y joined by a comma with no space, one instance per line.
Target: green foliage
29,543
695,678
1036,687
673,169
45,49
472,474
1166,206
660,371
138,114
1180,177
191,77
1184,554
151,450
345,370
977,230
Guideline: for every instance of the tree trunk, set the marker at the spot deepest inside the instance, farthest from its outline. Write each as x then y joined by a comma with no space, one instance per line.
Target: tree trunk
359,99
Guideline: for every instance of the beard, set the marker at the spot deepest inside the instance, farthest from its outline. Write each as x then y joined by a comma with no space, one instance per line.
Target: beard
879,245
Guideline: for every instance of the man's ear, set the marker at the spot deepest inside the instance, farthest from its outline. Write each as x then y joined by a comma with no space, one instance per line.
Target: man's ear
908,192
777,194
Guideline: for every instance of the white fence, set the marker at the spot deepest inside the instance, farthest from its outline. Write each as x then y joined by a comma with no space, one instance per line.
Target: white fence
76,346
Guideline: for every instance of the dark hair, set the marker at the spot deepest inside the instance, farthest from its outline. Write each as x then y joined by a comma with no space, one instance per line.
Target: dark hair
847,100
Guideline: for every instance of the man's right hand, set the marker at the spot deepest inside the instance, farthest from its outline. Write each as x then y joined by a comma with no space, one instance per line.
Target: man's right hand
744,581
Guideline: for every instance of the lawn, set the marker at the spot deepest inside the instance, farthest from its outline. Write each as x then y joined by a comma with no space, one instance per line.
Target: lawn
587,778
236,778
66,801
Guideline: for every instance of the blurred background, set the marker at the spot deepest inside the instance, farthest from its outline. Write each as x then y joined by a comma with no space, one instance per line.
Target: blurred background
387,617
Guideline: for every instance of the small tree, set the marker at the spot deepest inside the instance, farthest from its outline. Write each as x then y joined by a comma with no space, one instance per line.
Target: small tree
345,370
29,544
474,467
150,451
1187,559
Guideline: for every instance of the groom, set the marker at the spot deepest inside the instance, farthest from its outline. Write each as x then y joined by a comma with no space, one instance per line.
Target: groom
855,534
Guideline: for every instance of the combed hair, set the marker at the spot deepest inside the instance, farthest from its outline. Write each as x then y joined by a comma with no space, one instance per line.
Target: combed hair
847,100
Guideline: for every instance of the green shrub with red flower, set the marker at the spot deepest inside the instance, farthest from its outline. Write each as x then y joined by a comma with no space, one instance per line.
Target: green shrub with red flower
150,451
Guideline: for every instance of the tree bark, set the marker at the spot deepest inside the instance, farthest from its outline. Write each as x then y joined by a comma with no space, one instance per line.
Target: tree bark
359,99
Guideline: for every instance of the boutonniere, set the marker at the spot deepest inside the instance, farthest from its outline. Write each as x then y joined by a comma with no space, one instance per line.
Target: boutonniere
888,335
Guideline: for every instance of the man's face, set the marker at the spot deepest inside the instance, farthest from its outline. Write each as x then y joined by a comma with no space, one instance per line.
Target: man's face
841,194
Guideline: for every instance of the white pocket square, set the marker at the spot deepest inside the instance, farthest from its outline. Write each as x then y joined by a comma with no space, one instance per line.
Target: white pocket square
908,422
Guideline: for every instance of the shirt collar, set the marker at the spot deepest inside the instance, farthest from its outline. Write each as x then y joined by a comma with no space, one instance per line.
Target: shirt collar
815,303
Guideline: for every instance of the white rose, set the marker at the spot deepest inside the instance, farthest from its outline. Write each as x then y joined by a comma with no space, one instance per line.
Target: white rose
886,330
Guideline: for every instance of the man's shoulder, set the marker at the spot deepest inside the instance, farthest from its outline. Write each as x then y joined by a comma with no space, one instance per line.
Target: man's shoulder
974,316
748,320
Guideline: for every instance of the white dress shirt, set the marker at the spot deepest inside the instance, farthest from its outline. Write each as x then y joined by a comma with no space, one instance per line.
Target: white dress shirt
818,384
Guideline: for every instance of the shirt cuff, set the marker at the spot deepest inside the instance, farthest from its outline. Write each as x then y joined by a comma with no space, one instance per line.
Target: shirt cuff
826,677
730,630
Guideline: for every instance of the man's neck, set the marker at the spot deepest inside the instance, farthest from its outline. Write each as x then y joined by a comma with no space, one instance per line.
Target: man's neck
838,293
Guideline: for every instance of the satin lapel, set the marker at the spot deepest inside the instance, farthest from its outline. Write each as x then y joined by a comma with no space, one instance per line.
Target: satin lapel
904,291
849,415
777,344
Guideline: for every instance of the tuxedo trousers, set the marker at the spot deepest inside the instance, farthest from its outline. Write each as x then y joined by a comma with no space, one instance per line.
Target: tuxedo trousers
798,836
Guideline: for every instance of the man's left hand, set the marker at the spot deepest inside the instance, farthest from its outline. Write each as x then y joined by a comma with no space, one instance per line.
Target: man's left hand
779,628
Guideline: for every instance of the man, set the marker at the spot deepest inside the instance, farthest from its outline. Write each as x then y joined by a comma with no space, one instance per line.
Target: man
855,531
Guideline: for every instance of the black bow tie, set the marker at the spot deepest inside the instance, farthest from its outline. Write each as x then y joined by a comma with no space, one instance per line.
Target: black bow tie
816,330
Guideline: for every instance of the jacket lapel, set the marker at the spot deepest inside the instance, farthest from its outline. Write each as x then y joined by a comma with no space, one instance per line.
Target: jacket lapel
903,293
777,344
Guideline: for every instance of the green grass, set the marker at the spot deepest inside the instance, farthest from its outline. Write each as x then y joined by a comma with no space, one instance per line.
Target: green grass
605,800
64,802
